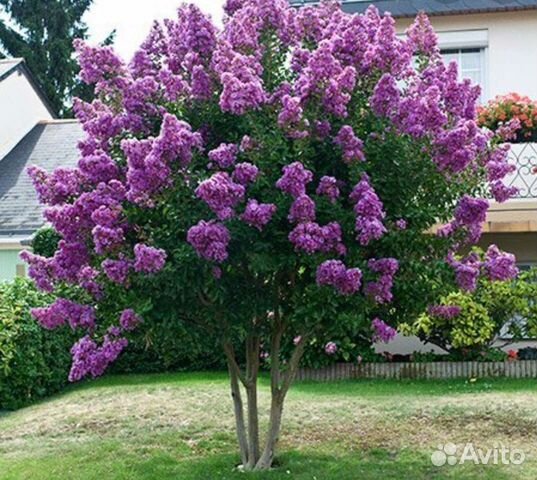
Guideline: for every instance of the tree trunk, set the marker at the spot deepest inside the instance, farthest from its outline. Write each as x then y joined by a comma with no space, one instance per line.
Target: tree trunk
237,405
251,457
278,392
252,371
276,410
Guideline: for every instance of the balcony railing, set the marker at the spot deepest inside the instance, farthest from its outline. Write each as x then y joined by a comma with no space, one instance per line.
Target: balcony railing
524,156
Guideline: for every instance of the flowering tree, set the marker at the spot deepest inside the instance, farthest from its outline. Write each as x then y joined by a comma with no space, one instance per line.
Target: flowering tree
278,179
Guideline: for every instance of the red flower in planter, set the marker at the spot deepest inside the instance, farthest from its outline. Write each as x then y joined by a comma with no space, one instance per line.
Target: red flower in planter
512,355
505,108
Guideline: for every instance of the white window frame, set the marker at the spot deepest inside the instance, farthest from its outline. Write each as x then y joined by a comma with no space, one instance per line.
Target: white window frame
469,39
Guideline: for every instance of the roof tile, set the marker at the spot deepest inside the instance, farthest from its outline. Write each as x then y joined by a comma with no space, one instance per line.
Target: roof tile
48,146
409,8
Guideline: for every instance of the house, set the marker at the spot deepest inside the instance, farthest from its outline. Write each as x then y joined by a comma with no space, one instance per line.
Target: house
493,42
30,134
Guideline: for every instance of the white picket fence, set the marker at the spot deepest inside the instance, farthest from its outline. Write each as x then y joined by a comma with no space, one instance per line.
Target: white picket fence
426,370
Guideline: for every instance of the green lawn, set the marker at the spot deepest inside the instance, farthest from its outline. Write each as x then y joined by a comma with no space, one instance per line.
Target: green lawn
180,427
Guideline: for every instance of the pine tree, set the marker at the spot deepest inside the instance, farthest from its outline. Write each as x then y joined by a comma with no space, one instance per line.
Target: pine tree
42,32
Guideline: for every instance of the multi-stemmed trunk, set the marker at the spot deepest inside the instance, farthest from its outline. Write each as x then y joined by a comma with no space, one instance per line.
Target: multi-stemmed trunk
253,457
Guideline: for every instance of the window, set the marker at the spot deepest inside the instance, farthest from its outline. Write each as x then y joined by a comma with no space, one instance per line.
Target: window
469,49
471,62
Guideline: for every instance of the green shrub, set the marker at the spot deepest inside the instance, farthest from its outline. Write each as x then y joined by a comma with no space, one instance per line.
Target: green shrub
45,242
495,307
169,345
34,362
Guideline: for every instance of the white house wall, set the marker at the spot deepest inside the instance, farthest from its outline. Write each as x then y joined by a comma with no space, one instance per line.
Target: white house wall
512,47
21,109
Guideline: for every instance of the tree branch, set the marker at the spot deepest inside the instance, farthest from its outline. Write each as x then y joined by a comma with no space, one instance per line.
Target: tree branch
294,363
239,413
275,348
232,363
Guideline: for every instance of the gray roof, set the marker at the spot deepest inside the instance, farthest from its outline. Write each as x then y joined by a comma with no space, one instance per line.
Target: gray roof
48,145
409,8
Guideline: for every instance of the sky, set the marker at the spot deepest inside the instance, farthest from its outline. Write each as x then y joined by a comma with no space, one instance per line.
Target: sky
132,19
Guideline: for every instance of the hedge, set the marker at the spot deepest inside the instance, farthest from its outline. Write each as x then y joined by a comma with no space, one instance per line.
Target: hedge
34,362
169,345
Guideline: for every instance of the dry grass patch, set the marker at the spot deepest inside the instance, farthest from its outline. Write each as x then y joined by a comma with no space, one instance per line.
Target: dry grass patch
195,420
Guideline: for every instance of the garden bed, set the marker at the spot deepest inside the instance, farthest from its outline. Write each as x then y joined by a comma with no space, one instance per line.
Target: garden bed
422,370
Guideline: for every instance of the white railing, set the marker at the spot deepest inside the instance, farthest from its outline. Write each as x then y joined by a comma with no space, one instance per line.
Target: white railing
524,156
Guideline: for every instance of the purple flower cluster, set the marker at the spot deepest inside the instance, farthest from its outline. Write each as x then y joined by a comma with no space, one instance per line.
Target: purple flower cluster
291,117
350,144
471,210
382,331
470,215
328,187
302,210
117,271
239,73
225,155
129,320
330,348
447,312
63,312
401,224
258,214
150,162
87,279
210,240
434,104
107,239
92,359
98,167
467,271
509,130
325,76
502,192
294,179
148,259
98,65
245,173
68,264
369,212
221,194
422,36
497,163
310,237
334,273
498,265
381,290
58,187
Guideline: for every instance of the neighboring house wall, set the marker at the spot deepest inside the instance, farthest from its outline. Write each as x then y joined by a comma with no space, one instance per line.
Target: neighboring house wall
509,51
22,108
11,265
524,244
